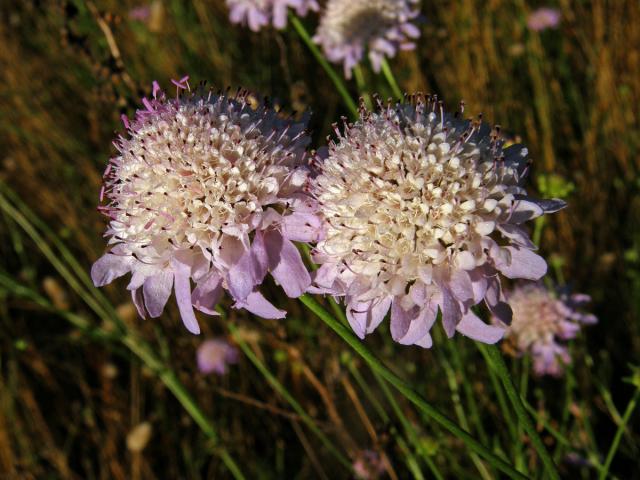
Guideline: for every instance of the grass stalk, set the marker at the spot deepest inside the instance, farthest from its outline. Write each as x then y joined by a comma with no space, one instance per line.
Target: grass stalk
405,389
391,79
496,362
618,435
338,82
284,393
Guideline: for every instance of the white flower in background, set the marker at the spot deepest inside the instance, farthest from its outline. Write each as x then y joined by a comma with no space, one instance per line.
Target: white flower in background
209,189
349,28
423,211
260,13
542,320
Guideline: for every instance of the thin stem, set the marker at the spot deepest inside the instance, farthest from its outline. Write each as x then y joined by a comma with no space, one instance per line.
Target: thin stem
497,363
135,344
391,80
462,418
278,387
362,86
335,78
616,439
406,390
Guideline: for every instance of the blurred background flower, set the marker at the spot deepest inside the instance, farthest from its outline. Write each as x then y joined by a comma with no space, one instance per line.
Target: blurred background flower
543,321
349,29
544,18
215,355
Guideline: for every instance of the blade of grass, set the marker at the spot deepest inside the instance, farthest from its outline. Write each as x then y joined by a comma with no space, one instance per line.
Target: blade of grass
618,435
406,389
391,80
284,393
335,78
497,363
134,342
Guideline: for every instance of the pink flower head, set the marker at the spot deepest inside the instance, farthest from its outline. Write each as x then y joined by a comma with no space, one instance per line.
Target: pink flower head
423,211
260,13
542,320
544,18
368,465
349,28
207,189
214,355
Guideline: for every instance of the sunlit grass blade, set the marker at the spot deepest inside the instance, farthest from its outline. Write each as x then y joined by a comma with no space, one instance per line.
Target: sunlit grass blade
406,389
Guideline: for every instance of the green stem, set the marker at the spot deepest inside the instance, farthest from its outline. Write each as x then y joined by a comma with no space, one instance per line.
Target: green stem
406,390
335,78
278,387
391,80
616,439
135,344
498,365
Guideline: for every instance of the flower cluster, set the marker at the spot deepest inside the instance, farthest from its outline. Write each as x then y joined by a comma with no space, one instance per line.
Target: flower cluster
541,320
423,210
260,13
207,189
348,28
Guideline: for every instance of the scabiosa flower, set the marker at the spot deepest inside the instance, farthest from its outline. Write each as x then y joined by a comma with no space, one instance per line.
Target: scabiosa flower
542,319
368,465
544,18
209,189
214,355
423,211
349,27
260,13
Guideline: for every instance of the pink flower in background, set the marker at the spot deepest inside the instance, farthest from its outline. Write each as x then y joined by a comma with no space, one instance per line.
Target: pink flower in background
214,356
349,28
368,465
544,18
260,13
207,189
140,13
423,210
542,321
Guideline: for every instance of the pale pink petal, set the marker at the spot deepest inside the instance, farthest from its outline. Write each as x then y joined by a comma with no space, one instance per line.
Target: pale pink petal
260,306
495,301
364,317
516,234
302,227
109,267
474,328
242,276
138,302
461,286
524,210
207,294
451,312
411,326
156,290
524,264
286,266
183,296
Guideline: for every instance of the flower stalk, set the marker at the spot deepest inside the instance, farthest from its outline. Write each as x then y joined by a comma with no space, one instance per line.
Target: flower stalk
406,390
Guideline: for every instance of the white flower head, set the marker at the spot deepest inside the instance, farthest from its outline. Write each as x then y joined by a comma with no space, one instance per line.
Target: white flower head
260,13
423,210
543,320
349,28
209,189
